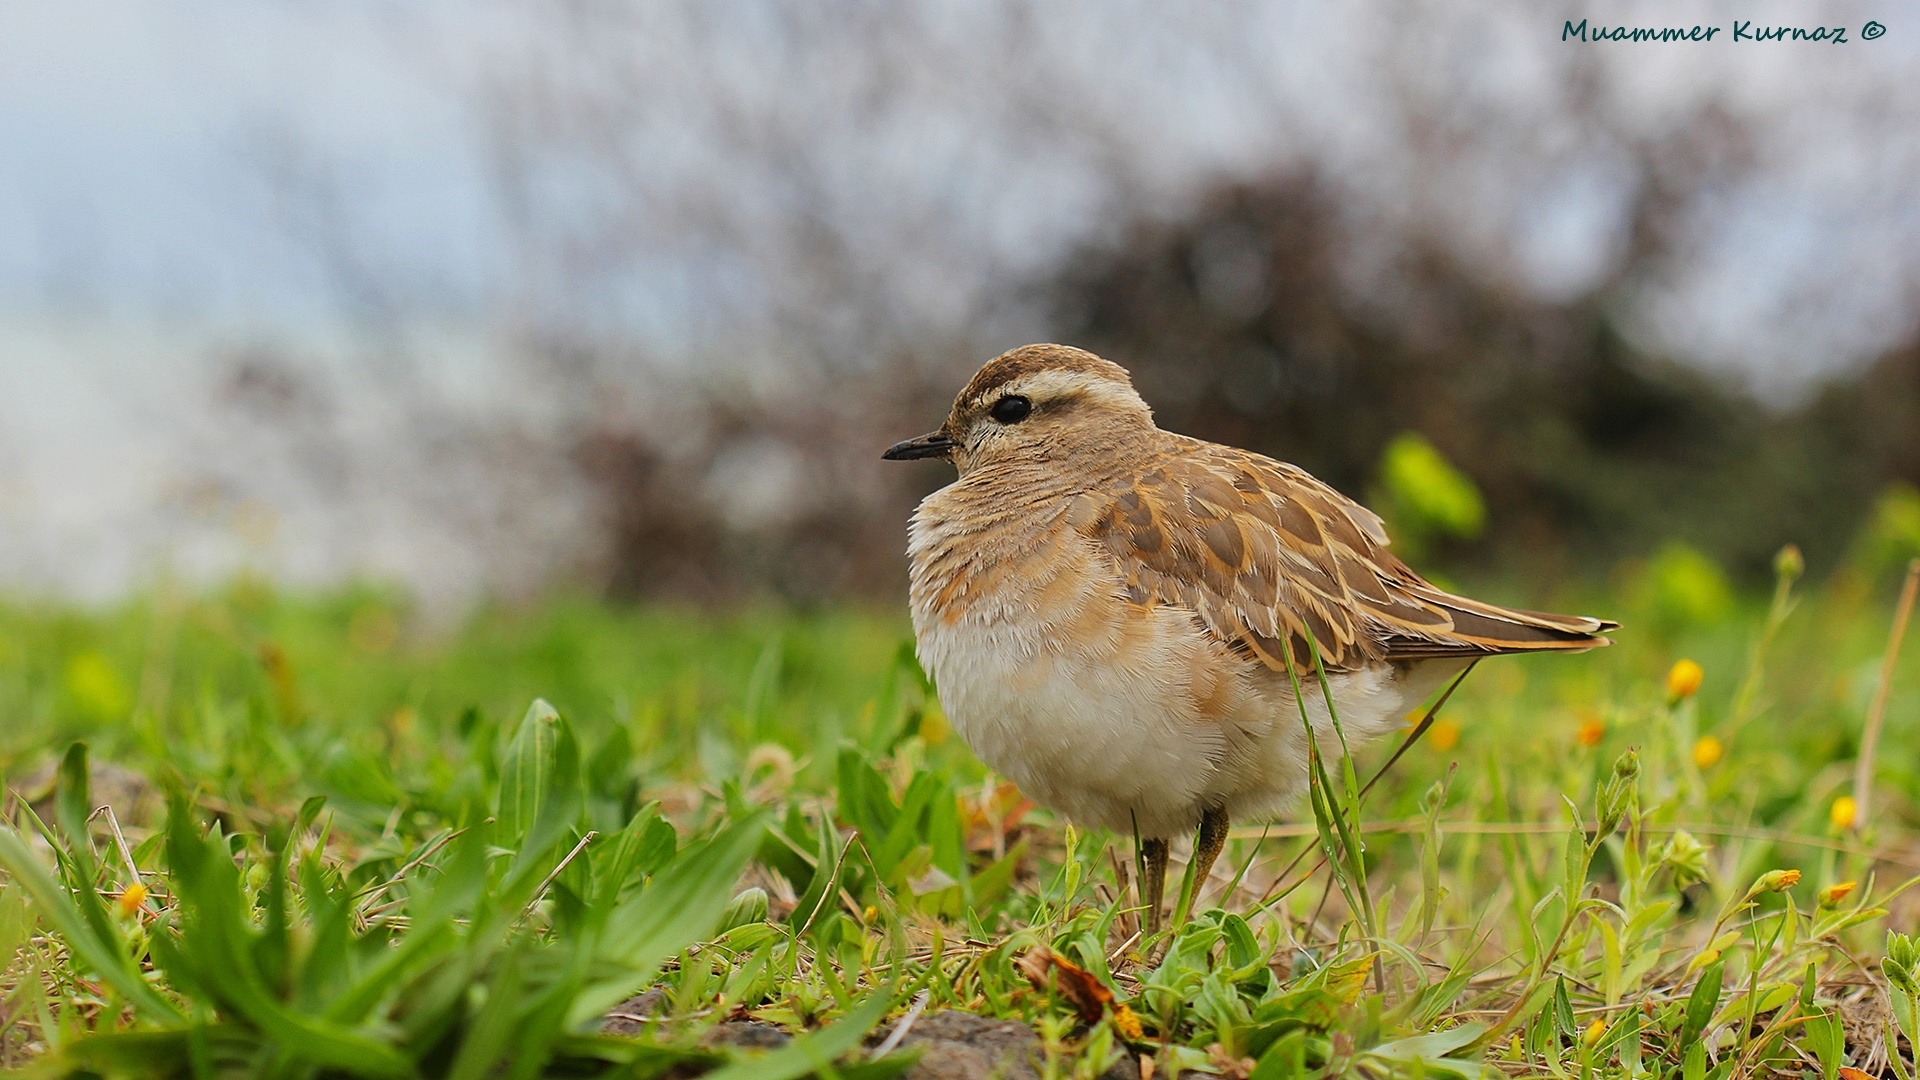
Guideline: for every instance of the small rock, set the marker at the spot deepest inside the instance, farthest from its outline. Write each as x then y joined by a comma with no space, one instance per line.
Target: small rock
628,1017
134,799
744,1035
962,1046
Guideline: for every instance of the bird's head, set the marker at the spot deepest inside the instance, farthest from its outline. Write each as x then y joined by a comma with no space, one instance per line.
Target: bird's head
1035,403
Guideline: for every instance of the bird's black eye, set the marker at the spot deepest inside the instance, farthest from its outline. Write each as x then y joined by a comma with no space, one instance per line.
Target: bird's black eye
1011,409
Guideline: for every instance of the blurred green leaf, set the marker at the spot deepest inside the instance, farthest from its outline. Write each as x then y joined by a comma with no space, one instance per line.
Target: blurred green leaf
1684,587
1424,495
1891,534
95,687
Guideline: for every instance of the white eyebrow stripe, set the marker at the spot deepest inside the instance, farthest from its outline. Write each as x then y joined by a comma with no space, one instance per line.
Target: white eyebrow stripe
1049,385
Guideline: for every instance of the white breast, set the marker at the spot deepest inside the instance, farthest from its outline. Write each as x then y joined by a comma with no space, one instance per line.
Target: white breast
1118,715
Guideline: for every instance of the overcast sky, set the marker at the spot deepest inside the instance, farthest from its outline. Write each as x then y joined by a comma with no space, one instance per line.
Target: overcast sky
179,180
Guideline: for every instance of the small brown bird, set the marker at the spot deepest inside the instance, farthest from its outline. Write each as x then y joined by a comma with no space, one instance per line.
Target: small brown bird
1108,610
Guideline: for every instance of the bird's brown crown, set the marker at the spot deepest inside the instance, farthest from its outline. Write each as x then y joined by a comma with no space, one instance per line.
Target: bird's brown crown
1018,365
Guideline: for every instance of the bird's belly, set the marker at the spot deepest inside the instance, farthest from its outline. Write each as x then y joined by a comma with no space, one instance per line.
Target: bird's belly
1132,717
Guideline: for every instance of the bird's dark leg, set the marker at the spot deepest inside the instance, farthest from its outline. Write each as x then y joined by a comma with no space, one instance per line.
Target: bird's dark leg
1207,845
1153,884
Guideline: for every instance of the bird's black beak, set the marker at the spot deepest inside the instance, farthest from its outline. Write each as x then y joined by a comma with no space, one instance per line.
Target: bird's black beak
933,444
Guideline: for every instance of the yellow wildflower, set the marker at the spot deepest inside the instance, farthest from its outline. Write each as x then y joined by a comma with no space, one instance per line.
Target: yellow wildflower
1707,751
1833,894
131,900
1127,1024
1593,1032
1843,811
1777,881
1683,681
1444,735
1591,731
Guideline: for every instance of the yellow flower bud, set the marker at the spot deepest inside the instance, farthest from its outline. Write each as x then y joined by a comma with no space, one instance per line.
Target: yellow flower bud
1683,681
131,900
1842,812
1777,881
1126,1023
1833,894
1707,751
1444,735
1593,1032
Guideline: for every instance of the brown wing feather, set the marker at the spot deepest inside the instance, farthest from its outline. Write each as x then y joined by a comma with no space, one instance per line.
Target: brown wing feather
1263,554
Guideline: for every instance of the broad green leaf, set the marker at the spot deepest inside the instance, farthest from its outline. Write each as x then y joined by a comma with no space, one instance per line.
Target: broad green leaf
1429,1053
1702,1002
945,835
1610,965
309,812
865,802
540,794
905,833
1289,1055
73,804
1828,1041
1693,1065
1629,1044
1563,1017
643,846
1242,950
683,903
1646,917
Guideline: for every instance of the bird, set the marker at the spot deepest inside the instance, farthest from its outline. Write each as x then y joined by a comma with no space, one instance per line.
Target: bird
1114,616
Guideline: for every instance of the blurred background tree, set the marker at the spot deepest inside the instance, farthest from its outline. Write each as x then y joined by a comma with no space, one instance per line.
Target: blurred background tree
630,295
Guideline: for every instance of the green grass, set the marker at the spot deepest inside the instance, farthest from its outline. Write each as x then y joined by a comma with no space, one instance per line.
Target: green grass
367,848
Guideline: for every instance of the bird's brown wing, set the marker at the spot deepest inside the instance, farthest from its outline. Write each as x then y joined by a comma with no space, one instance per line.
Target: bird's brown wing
1263,554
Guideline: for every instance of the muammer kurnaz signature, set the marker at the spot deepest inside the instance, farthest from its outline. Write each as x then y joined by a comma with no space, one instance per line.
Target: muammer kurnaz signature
1741,30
